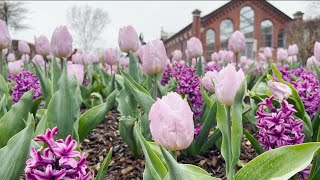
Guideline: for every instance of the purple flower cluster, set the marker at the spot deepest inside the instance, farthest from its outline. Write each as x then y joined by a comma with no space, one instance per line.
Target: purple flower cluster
277,126
189,84
59,160
166,75
212,67
24,82
307,86
197,130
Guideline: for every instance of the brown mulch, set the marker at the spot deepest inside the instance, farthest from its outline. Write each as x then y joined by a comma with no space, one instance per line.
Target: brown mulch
125,166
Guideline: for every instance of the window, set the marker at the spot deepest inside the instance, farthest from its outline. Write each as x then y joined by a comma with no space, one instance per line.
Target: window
210,43
281,39
226,30
247,21
266,30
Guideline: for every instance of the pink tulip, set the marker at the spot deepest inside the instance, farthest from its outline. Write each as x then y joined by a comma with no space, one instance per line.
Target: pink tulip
77,58
124,61
5,38
5,51
194,47
227,56
77,71
267,52
317,51
207,81
172,122
15,67
87,58
110,56
279,90
61,42
214,57
293,50
112,70
139,52
38,59
236,42
25,58
177,55
42,45
282,55
187,54
95,58
11,57
311,62
262,57
23,47
128,39
227,82
154,59
292,59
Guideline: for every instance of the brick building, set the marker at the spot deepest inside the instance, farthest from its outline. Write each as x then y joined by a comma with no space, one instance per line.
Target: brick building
263,25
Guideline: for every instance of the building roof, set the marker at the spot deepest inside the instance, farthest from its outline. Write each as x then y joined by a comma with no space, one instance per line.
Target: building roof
217,11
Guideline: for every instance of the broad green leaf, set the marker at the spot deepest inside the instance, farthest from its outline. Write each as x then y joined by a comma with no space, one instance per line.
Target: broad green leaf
46,85
14,155
194,172
255,144
199,67
155,167
64,106
133,67
144,124
174,170
123,104
211,140
15,119
126,129
94,116
281,163
55,74
104,167
3,104
4,89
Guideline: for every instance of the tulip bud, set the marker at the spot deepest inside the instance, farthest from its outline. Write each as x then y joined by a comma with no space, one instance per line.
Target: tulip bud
317,51
5,38
227,82
76,70
25,58
311,62
154,59
214,57
77,58
194,47
128,39
236,42
87,58
172,122
139,52
177,55
282,55
207,80
61,42
23,47
11,57
293,50
279,90
262,57
187,54
38,59
15,67
267,52
95,58
42,45
124,62
110,56
5,51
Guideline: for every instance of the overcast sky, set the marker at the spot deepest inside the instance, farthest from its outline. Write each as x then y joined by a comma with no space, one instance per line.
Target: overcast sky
145,16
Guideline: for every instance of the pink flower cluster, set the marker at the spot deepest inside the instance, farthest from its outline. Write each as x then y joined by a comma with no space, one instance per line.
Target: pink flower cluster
59,160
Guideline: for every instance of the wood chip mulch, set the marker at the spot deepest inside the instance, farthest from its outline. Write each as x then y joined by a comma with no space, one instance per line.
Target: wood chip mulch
125,166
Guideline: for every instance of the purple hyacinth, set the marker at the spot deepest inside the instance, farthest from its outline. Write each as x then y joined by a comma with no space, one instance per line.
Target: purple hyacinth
212,67
189,84
166,75
24,82
59,160
277,126
197,130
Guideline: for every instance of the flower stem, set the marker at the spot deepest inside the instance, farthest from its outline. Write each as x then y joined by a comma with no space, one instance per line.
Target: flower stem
237,59
155,93
230,169
1,63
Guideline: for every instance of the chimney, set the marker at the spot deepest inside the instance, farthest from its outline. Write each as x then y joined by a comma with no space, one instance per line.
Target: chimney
196,23
298,16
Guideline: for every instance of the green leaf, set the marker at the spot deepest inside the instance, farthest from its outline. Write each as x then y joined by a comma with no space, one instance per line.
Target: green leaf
124,106
126,129
194,172
156,168
3,104
94,116
317,69
46,85
133,67
4,89
55,74
280,163
199,67
15,119
174,170
14,155
104,167
255,144
64,106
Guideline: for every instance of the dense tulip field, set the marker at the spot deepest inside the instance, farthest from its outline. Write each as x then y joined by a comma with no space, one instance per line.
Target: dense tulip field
169,108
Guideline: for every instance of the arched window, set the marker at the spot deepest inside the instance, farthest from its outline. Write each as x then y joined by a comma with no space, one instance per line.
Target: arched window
281,39
266,30
247,21
210,43
226,30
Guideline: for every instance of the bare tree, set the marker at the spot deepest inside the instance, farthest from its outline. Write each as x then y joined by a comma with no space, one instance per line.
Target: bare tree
14,13
312,9
88,23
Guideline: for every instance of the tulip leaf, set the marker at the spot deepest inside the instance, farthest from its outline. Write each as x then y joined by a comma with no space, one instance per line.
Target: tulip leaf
174,170
94,116
104,167
124,106
46,85
280,163
133,67
13,156
64,106
3,104
156,168
55,74
15,119
199,67
317,69
195,172
4,88
255,144
126,129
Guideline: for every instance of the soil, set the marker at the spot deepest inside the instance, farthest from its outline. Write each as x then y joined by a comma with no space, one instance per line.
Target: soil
125,166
